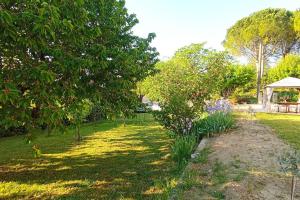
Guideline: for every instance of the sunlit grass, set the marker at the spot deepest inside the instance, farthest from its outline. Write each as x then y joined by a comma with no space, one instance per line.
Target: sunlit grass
114,161
286,126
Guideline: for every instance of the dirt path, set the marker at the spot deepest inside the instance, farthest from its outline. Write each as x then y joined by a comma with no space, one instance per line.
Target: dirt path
247,166
257,148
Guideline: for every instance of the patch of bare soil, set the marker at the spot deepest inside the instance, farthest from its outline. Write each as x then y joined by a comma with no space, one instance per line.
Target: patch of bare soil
248,165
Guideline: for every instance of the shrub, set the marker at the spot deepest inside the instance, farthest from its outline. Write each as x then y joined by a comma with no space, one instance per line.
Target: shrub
290,163
97,113
182,149
177,119
289,96
214,123
237,79
240,96
21,130
183,83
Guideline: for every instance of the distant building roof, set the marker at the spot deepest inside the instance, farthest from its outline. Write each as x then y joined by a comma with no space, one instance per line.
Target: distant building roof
288,82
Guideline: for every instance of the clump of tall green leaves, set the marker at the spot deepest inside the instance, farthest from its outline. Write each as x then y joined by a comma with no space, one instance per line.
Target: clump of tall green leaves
214,123
182,149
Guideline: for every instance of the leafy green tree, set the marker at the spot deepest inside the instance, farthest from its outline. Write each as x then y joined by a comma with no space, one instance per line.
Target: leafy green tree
288,66
261,36
54,54
176,88
183,83
238,78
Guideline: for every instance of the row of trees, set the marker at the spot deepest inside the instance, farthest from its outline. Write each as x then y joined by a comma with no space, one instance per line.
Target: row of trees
265,36
56,56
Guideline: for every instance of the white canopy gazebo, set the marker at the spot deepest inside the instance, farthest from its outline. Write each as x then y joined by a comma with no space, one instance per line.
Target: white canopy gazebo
288,82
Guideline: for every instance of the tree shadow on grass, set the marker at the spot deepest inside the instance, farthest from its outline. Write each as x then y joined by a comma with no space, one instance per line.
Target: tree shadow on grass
109,164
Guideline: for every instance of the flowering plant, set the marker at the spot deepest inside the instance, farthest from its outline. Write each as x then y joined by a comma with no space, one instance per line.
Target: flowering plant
221,105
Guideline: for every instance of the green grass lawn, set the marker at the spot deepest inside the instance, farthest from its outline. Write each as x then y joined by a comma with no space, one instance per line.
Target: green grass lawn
112,162
286,126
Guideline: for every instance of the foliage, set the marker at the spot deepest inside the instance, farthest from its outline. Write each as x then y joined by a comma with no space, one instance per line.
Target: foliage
241,96
289,66
238,78
212,124
290,163
179,121
288,96
12,131
97,113
183,83
182,148
274,28
297,22
36,151
78,113
54,54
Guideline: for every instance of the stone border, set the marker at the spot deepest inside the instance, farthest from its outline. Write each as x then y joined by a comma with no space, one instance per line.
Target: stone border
203,144
200,147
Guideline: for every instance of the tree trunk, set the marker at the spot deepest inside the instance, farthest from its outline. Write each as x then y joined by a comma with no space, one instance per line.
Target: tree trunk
293,187
49,130
260,71
78,133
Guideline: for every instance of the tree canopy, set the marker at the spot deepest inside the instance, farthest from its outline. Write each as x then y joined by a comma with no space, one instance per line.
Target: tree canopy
288,66
54,54
238,77
273,28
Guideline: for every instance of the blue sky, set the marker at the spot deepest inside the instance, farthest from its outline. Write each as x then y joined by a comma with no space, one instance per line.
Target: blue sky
181,22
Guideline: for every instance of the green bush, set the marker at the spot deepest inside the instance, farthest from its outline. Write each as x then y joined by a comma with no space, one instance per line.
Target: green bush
12,131
238,80
240,96
214,123
183,83
289,96
97,113
176,117
182,149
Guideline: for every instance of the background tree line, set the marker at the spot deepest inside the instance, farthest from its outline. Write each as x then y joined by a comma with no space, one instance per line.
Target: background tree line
65,61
